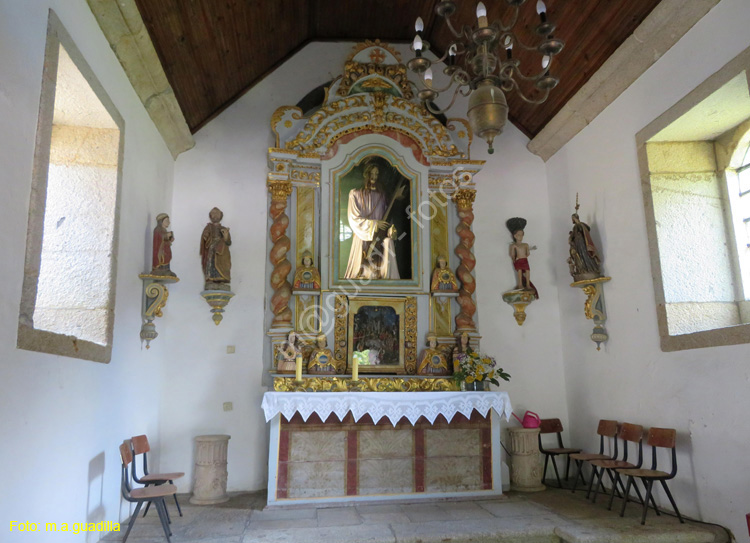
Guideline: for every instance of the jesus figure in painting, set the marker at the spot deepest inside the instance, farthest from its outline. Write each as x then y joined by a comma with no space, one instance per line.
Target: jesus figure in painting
367,212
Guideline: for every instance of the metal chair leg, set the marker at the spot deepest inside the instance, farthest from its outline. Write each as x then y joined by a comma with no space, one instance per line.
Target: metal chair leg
671,500
544,473
579,475
554,465
161,508
591,482
567,469
649,485
597,485
132,521
614,489
626,496
176,502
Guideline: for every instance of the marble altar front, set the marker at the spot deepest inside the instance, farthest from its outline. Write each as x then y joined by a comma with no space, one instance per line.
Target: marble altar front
365,446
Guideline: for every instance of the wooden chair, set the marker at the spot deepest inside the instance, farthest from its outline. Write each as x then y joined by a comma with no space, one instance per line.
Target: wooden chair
141,446
629,433
664,438
139,496
607,431
554,426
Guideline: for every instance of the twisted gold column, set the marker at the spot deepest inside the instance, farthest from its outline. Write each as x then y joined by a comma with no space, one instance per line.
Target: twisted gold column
464,199
282,289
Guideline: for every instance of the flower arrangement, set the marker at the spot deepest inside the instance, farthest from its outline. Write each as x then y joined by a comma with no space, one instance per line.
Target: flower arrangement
477,367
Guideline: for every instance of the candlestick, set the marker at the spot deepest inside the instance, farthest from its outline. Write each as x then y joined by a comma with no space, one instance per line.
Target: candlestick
355,370
298,367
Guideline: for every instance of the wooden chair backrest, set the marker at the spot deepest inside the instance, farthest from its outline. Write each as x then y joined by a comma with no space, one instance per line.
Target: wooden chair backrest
662,437
607,428
140,444
631,432
126,454
550,426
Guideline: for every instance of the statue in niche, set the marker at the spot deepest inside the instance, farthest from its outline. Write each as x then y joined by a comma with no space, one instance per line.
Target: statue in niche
432,361
519,254
321,358
215,257
307,277
162,249
584,262
287,355
373,252
443,279
462,347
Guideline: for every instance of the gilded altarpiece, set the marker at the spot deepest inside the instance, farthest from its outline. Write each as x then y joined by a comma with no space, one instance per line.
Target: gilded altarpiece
369,129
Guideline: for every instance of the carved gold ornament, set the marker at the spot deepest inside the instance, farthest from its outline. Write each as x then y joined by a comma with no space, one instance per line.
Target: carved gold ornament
590,292
410,339
341,310
464,198
280,189
373,384
306,175
296,114
354,71
369,43
376,112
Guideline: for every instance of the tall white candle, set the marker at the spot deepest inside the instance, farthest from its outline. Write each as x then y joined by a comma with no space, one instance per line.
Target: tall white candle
355,370
298,367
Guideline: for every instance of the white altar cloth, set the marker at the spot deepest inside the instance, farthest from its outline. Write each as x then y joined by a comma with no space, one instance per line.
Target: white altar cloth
393,405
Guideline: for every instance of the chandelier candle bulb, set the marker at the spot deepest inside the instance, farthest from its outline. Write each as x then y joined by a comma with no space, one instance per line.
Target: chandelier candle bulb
428,77
419,25
417,45
298,367
541,9
482,15
545,62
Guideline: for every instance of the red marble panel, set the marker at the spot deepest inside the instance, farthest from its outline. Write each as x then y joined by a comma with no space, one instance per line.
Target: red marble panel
352,484
419,459
486,458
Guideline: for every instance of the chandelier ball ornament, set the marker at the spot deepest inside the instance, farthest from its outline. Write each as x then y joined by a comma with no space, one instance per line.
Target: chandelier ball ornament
480,64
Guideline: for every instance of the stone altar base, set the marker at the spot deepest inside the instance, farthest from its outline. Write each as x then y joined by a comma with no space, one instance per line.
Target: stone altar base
362,460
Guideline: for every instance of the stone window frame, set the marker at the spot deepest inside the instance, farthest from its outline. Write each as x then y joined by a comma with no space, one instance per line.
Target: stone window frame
30,338
732,335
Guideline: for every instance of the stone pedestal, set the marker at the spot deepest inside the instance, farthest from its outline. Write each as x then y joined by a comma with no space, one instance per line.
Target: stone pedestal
210,470
525,473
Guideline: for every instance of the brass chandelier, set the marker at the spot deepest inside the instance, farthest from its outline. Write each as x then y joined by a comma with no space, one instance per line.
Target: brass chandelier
474,64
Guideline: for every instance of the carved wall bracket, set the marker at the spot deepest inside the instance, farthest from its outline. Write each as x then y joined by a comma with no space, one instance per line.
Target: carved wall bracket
155,294
519,300
594,306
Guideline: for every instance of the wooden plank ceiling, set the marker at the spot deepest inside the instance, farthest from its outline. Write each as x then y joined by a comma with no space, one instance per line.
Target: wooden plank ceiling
215,50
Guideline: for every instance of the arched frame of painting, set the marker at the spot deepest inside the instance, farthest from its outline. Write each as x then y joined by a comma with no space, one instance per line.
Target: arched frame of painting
397,165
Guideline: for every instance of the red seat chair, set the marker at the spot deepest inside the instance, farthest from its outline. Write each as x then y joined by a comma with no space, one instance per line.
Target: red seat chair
148,495
665,438
607,431
554,426
140,446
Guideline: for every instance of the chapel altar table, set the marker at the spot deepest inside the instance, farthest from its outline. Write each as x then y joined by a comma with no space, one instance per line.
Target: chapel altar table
360,446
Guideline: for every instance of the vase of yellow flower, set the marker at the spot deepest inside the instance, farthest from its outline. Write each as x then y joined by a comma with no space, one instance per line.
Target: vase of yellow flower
474,369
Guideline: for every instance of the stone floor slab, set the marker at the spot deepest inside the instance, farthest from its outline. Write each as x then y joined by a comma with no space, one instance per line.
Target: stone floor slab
338,516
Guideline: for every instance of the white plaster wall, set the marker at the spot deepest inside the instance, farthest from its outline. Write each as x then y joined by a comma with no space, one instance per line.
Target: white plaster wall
702,393
63,419
227,168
